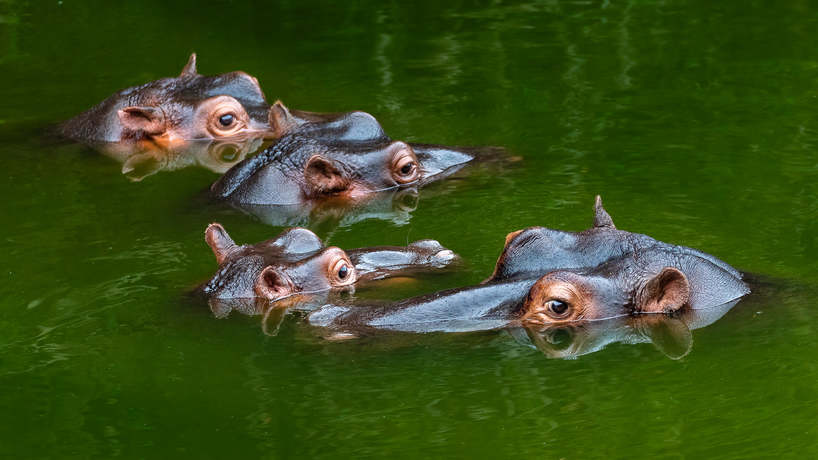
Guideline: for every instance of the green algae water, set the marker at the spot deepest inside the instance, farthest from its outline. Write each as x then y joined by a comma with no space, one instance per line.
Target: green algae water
696,121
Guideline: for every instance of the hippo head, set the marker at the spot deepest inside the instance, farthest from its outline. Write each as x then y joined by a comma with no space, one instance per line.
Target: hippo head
294,262
654,280
190,106
565,296
299,168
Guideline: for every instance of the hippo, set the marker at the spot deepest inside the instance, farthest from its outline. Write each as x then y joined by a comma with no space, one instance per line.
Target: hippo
190,106
297,263
634,275
299,169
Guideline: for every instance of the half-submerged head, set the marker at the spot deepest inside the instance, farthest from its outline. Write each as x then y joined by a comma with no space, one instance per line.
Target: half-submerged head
566,296
295,262
190,106
299,168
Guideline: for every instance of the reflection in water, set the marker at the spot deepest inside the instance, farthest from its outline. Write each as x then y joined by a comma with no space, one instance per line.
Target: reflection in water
393,206
669,334
146,159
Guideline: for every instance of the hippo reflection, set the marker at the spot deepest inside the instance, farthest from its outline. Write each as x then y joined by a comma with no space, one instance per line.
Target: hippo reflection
395,206
299,169
190,106
639,277
670,334
297,263
218,155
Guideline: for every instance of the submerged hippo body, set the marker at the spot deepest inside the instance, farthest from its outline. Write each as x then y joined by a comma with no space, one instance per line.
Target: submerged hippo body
298,263
647,277
298,169
190,106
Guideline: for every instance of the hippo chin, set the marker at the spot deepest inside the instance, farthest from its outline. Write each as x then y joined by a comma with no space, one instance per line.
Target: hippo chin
296,263
299,169
629,275
190,106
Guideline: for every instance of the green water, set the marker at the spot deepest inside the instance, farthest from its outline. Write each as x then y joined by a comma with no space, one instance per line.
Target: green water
696,121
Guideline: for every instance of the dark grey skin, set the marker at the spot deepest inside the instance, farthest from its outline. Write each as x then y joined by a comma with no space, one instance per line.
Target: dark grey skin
296,263
537,250
299,169
651,279
168,110
347,127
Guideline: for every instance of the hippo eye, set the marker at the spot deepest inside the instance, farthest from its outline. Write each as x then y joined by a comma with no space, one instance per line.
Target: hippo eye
225,116
342,272
557,308
405,167
227,119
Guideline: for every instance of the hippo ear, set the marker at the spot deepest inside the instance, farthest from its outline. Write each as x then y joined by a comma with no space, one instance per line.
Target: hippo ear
280,119
666,292
601,217
323,177
671,336
189,70
272,284
219,241
140,166
150,120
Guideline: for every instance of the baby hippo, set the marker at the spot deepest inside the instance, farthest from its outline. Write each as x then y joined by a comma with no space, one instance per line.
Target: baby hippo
604,275
297,262
190,106
299,169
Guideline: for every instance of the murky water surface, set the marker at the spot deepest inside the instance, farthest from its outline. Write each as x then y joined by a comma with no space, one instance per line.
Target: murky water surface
696,121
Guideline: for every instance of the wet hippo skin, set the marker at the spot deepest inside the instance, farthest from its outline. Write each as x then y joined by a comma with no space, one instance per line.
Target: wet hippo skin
633,275
298,169
297,262
190,106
